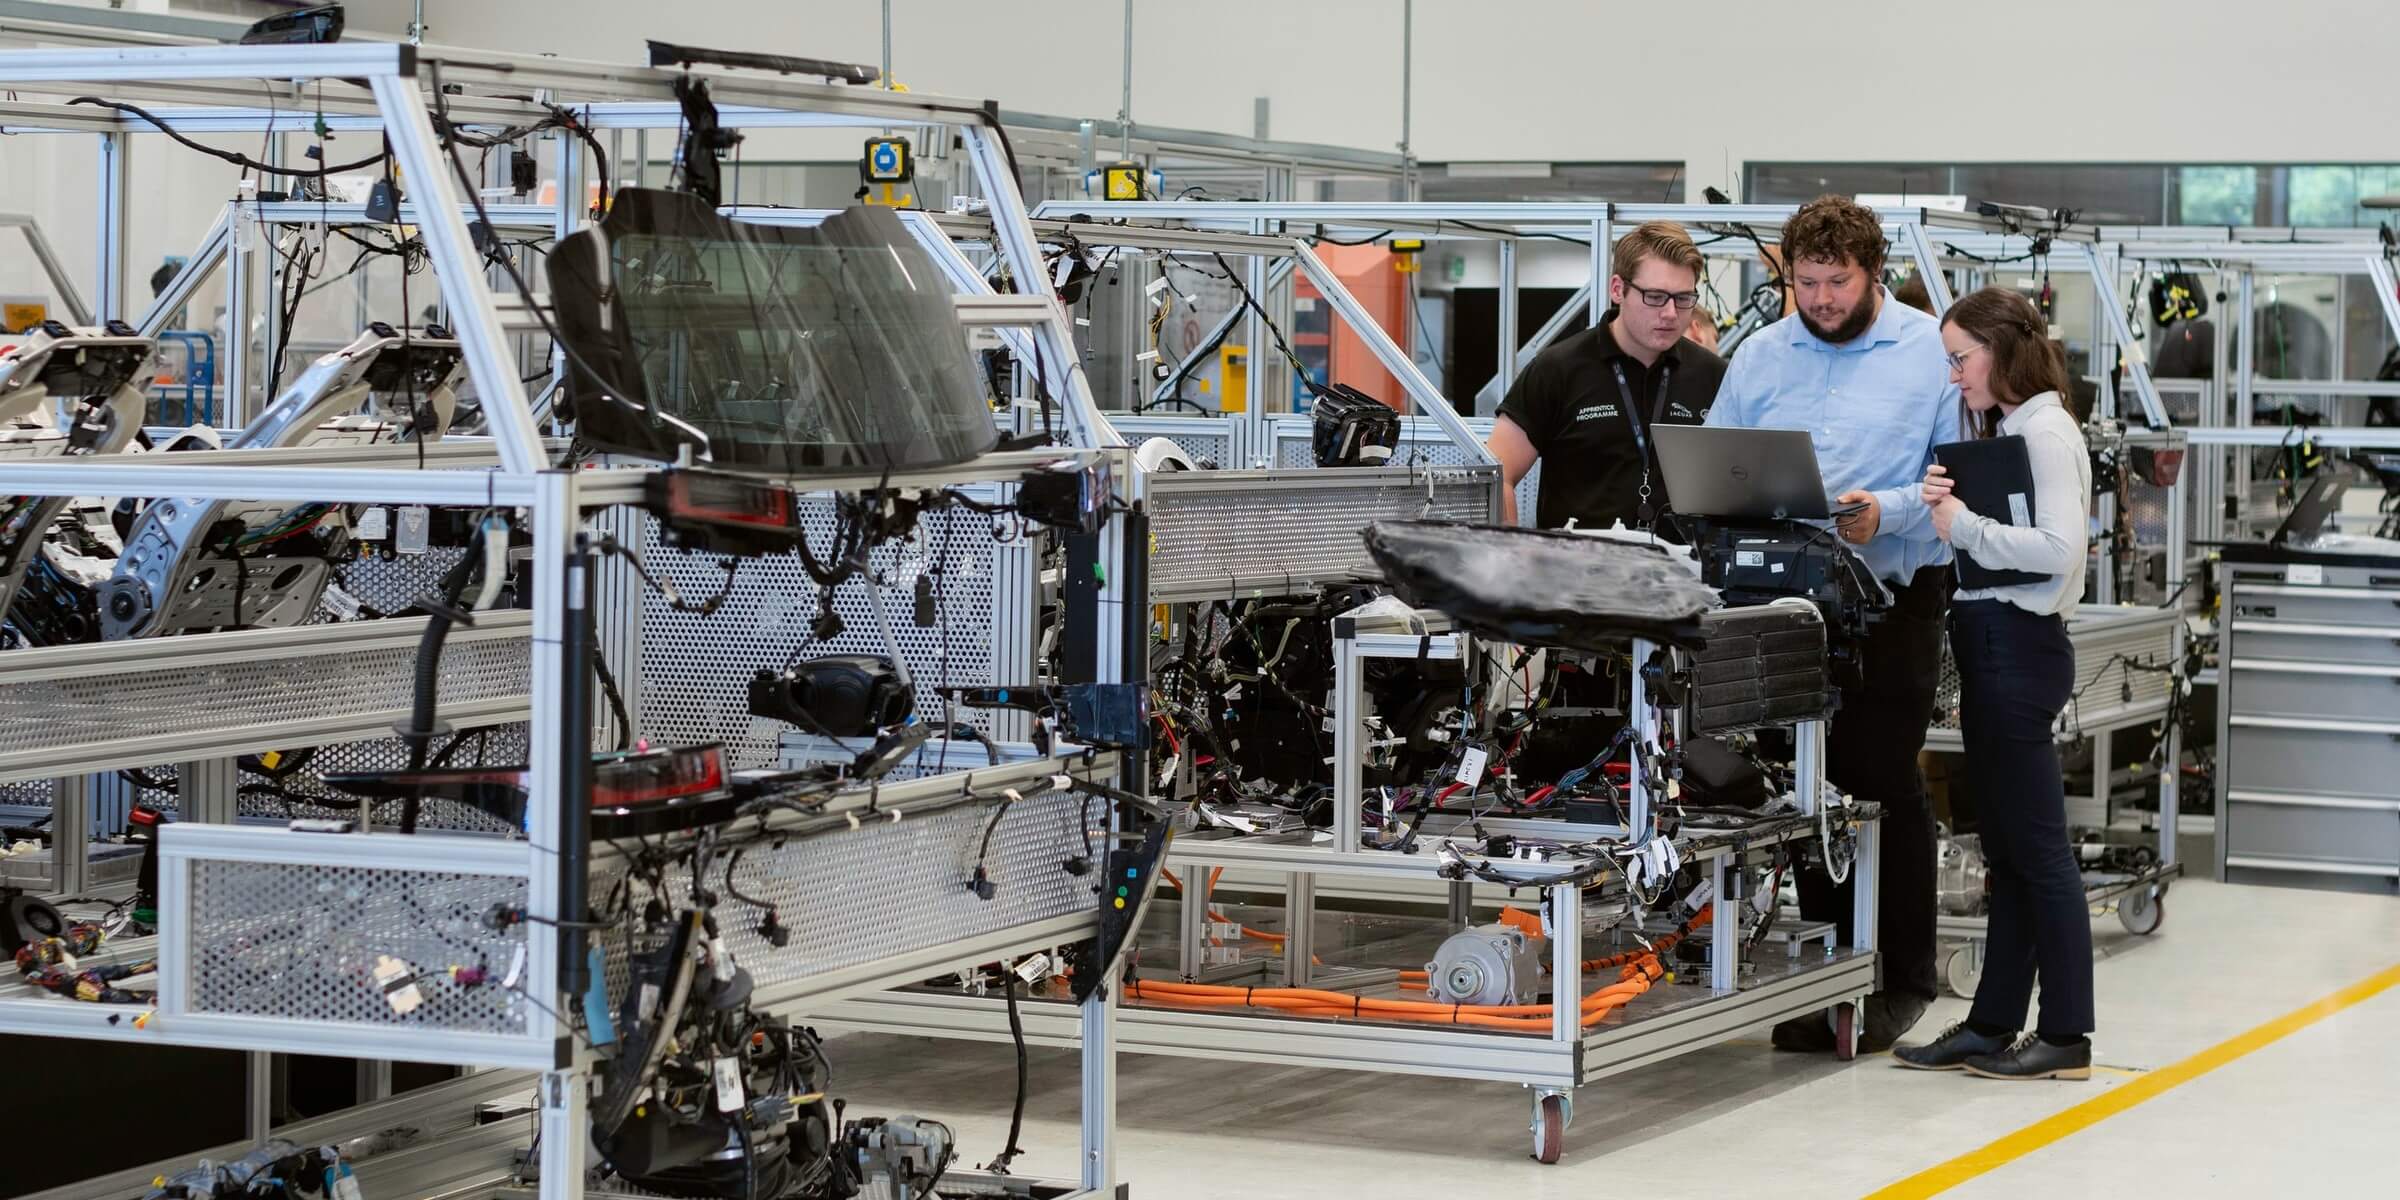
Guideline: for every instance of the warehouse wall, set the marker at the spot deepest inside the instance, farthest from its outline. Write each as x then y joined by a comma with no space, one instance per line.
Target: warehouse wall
1859,80
1522,80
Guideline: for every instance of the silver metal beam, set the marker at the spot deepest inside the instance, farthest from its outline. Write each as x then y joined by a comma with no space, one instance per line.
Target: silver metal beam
1506,377
115,181
465,299
347,59
52,268
2137,364
311,212
196,270
2328,436
1929,266
107,476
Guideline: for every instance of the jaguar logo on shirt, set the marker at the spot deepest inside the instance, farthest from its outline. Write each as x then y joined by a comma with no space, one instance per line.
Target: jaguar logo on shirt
1596,412
1680,410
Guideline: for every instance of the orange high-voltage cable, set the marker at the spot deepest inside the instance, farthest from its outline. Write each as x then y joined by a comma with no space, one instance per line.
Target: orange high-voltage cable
1635,978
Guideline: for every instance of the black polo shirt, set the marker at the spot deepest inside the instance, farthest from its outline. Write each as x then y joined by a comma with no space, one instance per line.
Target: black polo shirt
1571,408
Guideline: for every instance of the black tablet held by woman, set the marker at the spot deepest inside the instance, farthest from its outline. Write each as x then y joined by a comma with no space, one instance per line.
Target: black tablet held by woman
1994,479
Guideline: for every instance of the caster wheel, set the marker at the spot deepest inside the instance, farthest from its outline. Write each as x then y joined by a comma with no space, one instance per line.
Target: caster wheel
1549,1128
2142,912
1962,970
1845,1032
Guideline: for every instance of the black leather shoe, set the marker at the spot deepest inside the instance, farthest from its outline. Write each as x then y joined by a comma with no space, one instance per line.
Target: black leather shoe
2033,1058
1888,1016
1950,1051
1808,1034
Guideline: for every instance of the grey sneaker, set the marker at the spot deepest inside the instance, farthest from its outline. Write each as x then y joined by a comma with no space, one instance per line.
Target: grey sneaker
1950,1051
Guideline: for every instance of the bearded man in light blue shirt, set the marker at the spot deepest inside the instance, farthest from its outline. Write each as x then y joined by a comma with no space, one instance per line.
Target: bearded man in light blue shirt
1866,377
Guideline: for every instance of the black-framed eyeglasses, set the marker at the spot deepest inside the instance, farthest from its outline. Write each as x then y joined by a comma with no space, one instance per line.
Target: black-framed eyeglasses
1683,301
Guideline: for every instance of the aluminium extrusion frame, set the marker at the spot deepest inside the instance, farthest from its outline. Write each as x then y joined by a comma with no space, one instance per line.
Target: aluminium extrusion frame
220,247
1552,1065
1242,232
1205,496
555,499
2244,254
1507,223
37,242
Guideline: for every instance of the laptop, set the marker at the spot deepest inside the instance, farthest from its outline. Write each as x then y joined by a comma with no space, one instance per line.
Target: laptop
1742,474
2307,518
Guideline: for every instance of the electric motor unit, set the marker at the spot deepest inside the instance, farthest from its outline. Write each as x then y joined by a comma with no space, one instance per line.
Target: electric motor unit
1489,964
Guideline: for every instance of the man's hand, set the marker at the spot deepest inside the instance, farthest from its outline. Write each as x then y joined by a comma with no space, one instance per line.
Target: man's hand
1861,525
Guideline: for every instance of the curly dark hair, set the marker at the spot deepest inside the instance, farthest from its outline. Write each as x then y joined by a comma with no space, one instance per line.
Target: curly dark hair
1835,229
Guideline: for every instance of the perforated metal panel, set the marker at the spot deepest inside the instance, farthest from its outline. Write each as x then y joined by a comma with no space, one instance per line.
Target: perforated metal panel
893,887
302,943
1421,442
33,792
2108,690
695,671
2148,512
390,584
1217,533
264,692
2104,640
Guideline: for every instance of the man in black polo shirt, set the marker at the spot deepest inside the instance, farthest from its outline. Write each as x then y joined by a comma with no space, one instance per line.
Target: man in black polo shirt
1585,405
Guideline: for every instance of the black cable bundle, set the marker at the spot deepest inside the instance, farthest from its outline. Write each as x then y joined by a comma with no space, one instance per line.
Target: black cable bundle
443,611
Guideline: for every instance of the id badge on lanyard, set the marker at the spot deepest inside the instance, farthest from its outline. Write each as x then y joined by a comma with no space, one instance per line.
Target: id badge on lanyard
1641,430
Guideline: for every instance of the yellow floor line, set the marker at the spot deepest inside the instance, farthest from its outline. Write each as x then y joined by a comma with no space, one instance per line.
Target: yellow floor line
2117,1099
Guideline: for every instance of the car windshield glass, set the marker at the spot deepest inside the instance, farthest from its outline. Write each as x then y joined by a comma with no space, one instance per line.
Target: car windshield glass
781,349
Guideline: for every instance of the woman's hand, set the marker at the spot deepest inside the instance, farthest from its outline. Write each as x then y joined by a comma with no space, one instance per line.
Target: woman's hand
1945,510
1936,486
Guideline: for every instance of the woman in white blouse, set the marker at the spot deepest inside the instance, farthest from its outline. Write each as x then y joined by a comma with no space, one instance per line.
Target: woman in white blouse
2016,670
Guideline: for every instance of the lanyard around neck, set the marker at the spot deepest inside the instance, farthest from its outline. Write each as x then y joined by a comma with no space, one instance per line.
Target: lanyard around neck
1641,426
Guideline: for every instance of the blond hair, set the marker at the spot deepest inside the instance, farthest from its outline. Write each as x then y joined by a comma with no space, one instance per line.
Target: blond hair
1662,240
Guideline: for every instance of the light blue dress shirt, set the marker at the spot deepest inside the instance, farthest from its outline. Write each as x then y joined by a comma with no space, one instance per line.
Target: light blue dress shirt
1875,406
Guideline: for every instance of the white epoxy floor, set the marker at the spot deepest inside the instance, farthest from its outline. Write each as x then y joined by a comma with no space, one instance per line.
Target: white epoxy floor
1742,1119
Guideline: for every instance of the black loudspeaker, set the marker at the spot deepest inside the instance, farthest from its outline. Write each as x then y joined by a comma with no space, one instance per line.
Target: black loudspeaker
28,919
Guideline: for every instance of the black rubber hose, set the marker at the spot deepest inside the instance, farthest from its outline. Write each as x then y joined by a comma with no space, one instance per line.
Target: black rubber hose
443,612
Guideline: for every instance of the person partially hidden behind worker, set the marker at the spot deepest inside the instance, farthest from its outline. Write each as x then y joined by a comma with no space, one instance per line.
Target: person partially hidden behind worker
1865,376
2016,669
1585,405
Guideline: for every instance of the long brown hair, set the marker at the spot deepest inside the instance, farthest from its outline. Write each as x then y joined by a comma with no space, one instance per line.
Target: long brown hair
2025,362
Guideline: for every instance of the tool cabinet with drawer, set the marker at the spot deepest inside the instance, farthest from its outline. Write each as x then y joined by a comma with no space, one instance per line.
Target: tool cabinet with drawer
2308,779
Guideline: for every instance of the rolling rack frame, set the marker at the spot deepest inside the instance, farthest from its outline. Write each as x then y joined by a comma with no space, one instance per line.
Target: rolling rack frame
542,868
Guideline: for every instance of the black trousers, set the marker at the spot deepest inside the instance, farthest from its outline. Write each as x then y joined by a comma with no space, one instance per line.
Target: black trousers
1871,752
2015,672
